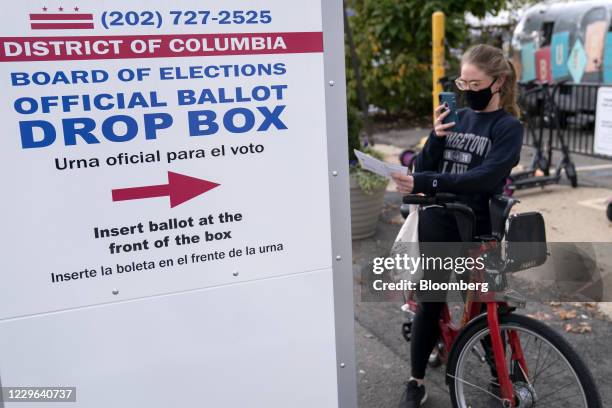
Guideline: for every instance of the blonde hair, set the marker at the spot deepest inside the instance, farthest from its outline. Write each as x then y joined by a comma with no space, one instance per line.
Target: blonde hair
492,62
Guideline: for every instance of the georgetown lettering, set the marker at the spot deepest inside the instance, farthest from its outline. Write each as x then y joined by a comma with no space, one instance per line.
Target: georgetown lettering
469,142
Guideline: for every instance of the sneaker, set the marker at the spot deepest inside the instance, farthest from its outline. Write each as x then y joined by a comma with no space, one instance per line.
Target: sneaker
414,395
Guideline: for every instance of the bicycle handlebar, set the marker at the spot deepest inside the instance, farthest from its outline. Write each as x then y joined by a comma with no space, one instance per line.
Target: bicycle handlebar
439,198
463,213
537,89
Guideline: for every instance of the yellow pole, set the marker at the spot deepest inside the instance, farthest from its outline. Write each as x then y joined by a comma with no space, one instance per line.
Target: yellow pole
437,54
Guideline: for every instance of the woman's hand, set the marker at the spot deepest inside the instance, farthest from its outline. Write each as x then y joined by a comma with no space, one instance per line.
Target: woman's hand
405,182
439,115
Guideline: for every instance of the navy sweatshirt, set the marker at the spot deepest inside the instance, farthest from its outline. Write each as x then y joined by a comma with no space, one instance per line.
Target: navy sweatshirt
472,161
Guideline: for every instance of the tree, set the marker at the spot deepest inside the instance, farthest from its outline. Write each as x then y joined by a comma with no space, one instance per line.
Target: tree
393,41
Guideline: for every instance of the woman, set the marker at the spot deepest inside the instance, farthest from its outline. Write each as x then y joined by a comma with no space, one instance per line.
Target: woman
472,160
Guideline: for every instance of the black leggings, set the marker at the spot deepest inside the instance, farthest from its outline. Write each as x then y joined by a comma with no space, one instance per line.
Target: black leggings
435,225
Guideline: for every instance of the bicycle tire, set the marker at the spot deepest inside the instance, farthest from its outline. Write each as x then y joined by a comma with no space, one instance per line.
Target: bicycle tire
555,339
406,157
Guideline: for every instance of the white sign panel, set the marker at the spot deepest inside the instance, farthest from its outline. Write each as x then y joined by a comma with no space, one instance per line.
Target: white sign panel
603,122
157,147
169,203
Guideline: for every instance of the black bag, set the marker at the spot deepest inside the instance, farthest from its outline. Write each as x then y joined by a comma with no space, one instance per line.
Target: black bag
525,241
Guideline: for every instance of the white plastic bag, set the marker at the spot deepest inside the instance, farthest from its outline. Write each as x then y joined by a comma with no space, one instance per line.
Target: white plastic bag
410,230
407,243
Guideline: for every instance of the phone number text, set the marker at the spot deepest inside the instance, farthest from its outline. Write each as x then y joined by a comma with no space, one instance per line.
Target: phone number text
157,19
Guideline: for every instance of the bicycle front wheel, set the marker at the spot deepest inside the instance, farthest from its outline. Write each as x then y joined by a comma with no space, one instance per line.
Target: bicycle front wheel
555,376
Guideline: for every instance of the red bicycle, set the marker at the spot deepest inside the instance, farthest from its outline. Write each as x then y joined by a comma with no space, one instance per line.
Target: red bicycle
495,357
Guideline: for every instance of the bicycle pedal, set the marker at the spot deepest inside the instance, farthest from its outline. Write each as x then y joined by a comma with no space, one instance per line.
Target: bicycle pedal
407,331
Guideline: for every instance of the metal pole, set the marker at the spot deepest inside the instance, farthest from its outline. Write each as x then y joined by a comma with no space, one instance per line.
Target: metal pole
437,54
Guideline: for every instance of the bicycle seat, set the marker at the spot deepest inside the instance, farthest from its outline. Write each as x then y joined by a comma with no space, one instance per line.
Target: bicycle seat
499,210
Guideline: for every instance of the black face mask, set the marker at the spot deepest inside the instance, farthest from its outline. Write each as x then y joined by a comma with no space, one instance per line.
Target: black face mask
478,100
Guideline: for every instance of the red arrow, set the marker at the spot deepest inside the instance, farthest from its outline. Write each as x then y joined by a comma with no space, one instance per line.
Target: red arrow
180,188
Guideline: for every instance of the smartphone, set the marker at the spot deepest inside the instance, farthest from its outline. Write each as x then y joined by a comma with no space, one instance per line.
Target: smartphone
451,101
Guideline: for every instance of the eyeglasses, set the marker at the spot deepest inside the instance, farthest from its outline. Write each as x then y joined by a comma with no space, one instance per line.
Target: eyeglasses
463,85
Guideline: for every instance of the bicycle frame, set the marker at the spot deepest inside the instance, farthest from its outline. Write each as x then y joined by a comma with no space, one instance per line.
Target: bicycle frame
473,308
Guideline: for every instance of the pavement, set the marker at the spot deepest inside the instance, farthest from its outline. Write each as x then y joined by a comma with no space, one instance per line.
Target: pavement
574,215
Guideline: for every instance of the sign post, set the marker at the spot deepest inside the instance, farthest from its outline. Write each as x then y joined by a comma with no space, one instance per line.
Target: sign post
177,228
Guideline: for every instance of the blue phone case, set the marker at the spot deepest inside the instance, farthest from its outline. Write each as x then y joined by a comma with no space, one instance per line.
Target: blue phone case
451,100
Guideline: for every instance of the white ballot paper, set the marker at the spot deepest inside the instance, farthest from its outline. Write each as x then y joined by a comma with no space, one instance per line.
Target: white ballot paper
379,167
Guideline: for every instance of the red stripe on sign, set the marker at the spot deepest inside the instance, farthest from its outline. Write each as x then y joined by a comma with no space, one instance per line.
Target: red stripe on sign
55,16
163,46
61,26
